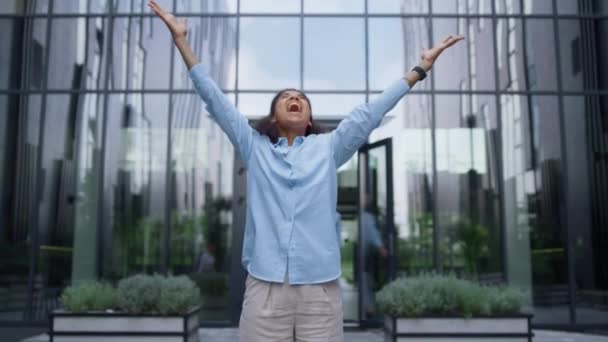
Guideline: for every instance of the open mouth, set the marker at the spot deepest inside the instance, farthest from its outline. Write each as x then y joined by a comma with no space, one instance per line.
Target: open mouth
294,107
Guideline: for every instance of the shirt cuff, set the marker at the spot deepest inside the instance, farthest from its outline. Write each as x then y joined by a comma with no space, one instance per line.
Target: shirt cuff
197,71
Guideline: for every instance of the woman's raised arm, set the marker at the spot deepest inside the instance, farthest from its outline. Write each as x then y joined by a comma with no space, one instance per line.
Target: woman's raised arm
354,130
233,123
179,30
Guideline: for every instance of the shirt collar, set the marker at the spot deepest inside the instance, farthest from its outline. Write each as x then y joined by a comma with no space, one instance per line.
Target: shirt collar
282,141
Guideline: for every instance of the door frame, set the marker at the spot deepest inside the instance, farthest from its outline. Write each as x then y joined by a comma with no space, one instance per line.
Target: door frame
389,233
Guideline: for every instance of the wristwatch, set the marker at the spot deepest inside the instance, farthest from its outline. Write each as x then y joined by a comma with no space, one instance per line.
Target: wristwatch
420,72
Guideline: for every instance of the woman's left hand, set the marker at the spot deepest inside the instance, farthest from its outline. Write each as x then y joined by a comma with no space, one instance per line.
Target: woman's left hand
429,56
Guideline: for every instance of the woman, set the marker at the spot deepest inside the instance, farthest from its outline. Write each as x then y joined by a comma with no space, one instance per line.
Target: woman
291,250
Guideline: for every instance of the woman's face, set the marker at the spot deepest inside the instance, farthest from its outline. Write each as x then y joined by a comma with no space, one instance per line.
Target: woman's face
292,111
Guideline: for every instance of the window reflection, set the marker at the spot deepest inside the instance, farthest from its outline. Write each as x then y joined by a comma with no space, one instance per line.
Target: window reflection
334,6
397,6
410,131
136,164
334,54
269,53
332,106
270,6
214,40
386,51
201,217
221,6
466,174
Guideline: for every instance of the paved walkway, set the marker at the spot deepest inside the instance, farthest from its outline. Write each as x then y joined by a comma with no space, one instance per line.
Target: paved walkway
230,335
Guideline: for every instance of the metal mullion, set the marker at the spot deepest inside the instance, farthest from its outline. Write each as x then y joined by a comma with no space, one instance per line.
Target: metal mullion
598,92
436,261
237,53
21,186
530,128
165,246
564,177
366,33
301,44
499,150
102,154
35,201
315,15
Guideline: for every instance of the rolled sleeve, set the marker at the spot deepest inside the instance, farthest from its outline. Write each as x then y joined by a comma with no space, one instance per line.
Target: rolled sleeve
233,123
354,130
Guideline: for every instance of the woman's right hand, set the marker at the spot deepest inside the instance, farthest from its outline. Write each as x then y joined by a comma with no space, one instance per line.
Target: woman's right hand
178,28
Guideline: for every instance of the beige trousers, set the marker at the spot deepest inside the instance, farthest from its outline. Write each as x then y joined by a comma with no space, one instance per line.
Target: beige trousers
282,312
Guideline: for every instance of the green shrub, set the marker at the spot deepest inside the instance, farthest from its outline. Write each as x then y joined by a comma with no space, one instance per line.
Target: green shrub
178,295
157,294
89,296
138,294
431,294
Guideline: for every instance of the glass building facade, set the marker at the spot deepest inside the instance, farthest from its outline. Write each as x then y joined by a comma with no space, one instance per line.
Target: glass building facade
496,165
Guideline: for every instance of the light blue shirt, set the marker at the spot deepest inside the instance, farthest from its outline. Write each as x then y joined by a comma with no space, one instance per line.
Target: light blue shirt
292,190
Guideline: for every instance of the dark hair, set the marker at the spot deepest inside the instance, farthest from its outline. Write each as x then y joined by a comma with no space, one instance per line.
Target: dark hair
268,128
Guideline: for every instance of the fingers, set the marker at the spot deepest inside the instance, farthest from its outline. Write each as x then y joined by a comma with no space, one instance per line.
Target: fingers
450,40
157,9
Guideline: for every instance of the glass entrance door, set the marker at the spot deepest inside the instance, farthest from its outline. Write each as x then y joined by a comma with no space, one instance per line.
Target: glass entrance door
375,247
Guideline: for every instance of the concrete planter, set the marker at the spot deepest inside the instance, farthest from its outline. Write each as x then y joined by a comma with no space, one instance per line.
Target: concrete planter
122,327
513,328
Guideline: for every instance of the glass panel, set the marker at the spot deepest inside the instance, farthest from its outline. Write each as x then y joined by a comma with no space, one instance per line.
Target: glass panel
270,6
141,54
331,106
36,62
447,6
410,131
334,54
222,6
201,220
386,49
397,6
214,40
347,226
264,63
334,6
84,257
587,205
394,48
507,6
98,6
567,7
538,6
535,239
511,62
67,53
75,6
9,55
446,76
573,54
139,6
12,7
94,73
467,178
15,242
255,104
135,184
56,203
541,64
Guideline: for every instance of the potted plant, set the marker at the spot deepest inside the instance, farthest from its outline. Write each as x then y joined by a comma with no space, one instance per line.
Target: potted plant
443,307
154,308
